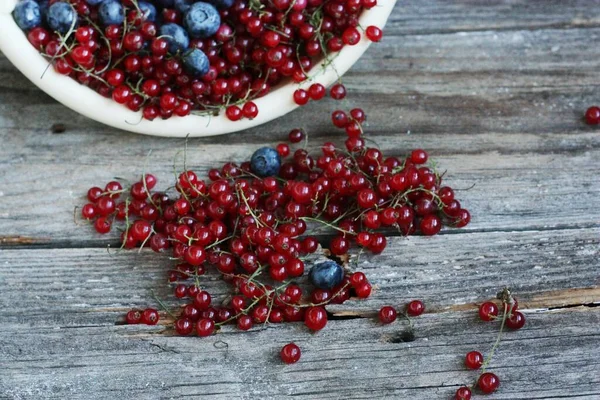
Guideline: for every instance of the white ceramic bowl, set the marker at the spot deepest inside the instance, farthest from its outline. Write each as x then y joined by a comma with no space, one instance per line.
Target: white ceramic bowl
16,47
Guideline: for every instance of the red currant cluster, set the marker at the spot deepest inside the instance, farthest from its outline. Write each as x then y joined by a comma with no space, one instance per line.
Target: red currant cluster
488,382
257,45
257,231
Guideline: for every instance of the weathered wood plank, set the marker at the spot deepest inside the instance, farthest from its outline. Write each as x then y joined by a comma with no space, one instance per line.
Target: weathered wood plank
495,91
513,191
60,307
70,286
465,98
350,359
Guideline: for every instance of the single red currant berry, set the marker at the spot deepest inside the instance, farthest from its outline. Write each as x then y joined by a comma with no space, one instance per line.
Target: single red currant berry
205,327
250,110
415,308
315,318
387,314
363,290
316,91
474,360
337,91
339,245
150,317
358,115
133,317
418,156
234,113
339,119
202,300
430,225
463,393
290,353
88,211
122,94
488,311
488,382
357,279
301,97
296,135
102,225
244,322
183,326
463,218
516,320
592,115
94,194
283,149
351,36
373,33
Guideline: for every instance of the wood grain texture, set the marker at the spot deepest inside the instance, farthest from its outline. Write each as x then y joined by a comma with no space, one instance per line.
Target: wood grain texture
494,91
66,324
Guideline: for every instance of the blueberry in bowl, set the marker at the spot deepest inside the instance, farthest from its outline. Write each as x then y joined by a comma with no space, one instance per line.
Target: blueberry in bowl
111,12
61,17
27,15
202,20
176,36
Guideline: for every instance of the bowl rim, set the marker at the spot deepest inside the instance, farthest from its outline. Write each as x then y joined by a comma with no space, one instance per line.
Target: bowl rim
15,46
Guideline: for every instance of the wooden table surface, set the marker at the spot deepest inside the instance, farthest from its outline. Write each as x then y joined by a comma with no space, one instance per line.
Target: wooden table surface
495,90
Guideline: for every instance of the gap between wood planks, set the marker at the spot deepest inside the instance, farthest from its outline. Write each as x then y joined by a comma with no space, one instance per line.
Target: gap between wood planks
24,242
567,300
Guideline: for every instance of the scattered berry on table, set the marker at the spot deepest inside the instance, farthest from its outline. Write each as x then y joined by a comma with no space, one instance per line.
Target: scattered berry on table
290,353
463,393
516,320
592,115
488,311
387,314
415,308
488,382
473,360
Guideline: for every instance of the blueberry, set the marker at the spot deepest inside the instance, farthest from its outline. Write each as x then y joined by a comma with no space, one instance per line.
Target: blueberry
61,17
27,15
148,10
202,20
94,2
183,5
111,12
196,62
326,275
265,162
176,36
221,4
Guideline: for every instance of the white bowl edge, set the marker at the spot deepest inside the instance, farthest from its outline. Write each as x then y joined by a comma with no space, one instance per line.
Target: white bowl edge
15,46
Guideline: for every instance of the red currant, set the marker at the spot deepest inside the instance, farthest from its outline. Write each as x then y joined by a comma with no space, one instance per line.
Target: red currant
290,353
415,308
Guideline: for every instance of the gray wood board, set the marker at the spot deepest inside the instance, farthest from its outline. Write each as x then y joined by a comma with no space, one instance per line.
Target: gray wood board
495,91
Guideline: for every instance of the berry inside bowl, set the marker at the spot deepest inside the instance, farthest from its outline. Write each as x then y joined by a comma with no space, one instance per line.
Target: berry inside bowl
15,46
